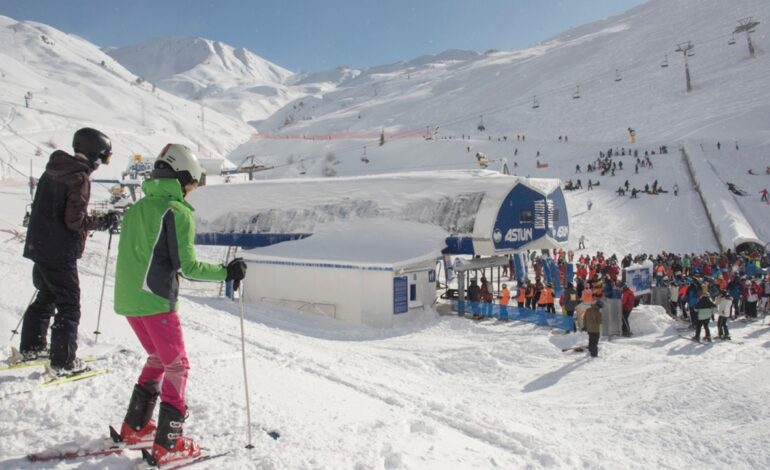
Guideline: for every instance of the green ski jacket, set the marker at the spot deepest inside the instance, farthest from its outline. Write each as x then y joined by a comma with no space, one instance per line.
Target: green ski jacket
156,244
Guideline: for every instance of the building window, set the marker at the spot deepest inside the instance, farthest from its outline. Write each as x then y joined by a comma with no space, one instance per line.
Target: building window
412,292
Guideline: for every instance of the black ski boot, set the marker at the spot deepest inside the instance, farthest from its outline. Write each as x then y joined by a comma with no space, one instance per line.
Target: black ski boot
138,429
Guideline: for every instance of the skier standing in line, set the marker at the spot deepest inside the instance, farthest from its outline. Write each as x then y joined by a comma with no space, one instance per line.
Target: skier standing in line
156,244
592,320
56,237
724,304
627,301
706,308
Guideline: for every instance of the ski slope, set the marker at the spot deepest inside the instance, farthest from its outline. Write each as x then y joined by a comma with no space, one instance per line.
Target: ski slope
442,392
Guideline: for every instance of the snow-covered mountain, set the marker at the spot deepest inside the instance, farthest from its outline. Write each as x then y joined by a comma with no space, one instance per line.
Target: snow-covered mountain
444,393
74,84
232,80
591,83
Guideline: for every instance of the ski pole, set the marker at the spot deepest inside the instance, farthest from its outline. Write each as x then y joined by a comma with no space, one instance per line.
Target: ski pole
245,375
104,282
16,330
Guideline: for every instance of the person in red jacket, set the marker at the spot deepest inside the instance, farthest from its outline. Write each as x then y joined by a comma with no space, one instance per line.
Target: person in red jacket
627,301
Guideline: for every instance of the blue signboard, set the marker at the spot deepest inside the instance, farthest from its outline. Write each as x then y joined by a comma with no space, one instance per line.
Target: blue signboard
526,215
639,279
400,295
558,221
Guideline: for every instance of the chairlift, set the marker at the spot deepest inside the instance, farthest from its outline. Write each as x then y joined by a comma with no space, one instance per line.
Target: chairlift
576,95
364,158
301,168
732,40
481,127
535,103
665,62
690,53
617,75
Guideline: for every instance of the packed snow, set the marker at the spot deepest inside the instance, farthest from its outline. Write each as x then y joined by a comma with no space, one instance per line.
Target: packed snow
442,391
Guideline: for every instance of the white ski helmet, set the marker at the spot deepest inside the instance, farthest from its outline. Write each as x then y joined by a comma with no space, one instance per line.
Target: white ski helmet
183,161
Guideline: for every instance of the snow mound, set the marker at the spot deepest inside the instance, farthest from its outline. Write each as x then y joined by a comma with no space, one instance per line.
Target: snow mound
649,320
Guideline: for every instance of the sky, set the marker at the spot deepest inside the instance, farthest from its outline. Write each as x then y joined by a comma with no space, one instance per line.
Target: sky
310,36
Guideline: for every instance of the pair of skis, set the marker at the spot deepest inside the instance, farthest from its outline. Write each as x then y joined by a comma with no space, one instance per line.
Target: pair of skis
115,445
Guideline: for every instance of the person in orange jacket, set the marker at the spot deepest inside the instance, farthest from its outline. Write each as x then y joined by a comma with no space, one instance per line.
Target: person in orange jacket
546,299
505,298
521,297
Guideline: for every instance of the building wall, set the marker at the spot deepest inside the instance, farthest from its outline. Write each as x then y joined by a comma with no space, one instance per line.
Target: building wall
352,295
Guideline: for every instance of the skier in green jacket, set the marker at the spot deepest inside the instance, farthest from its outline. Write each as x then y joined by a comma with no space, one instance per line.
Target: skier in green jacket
156,245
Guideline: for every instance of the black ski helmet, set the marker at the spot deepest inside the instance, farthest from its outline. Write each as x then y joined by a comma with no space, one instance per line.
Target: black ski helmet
93,144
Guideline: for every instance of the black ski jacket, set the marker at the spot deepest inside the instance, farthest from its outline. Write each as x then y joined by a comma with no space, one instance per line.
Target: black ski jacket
59,219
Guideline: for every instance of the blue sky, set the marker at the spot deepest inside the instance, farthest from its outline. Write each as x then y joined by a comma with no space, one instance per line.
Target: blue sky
307,35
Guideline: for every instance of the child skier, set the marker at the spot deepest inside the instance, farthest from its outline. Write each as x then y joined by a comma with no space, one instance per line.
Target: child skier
156,245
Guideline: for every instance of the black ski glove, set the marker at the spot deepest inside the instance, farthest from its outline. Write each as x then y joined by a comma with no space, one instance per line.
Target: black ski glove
236,271
108,221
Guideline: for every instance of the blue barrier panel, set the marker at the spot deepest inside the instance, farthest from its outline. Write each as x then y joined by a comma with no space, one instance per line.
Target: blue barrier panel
538,317
570,272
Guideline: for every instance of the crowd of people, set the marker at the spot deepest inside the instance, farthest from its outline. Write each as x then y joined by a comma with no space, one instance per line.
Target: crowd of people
701,287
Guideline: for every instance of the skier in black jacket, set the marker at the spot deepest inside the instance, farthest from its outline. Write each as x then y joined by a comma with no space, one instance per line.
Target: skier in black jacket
58,225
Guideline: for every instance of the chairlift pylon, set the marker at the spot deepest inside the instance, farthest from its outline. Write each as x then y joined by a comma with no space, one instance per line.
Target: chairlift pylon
481,127
535,103
576,95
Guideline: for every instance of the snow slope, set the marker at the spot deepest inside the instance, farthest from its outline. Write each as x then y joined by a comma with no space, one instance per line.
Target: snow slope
440,393
443,392
71,89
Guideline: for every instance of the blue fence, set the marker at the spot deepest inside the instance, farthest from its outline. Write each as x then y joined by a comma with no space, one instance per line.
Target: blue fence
538,317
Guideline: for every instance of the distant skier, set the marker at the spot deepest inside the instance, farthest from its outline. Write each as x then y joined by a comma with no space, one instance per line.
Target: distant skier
156,245
577,168
582,242
764,195
589,204
56,237
676,189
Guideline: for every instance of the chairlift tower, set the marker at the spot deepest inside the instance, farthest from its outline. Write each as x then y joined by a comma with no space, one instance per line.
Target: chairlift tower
686,49
747,25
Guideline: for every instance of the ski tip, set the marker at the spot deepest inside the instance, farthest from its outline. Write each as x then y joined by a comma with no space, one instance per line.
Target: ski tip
115,435
148,458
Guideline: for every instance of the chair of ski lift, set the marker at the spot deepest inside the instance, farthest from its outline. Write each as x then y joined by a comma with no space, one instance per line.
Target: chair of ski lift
364,159
731,41
535,103
576,95
481,127
665,62
617,75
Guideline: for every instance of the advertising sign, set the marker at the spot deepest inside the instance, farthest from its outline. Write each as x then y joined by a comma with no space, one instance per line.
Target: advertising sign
639,278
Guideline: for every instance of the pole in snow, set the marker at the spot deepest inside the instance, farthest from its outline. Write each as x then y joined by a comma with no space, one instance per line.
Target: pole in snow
245,375
104,281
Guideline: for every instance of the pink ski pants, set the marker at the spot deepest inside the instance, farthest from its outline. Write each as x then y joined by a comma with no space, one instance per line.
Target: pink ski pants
167,364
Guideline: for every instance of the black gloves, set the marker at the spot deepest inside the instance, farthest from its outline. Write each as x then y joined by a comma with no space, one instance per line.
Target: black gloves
109,221
236,270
